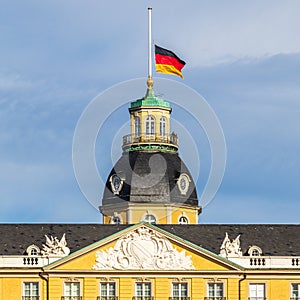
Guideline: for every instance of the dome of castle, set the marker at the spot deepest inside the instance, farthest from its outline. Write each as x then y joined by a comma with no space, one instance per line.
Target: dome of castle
150,177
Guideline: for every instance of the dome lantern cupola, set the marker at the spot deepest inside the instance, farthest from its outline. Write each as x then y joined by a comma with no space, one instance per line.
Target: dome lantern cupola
150,125
150,182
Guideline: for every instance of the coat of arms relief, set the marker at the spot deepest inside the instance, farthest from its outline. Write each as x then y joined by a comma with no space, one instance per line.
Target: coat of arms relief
143,249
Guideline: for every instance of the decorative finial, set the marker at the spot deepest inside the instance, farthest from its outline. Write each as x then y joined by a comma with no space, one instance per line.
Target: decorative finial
150,82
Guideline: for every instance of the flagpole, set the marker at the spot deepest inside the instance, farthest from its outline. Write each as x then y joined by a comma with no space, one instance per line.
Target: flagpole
150,80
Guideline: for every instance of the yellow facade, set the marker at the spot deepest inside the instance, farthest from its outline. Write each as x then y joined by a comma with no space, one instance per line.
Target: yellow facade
143,113
133,213
205,269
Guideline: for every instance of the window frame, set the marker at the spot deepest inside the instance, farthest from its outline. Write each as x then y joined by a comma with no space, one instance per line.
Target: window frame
296,297
257,297
255,251
180,285
143,294
137,126
33,250
215,290
30,296
107,283
65,283
150,125
163,126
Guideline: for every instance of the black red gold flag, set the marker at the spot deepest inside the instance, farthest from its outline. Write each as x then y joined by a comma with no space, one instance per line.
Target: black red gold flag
168,62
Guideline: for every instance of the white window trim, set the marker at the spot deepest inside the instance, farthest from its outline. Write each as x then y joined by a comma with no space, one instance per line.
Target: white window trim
163,126
143,283
149,121
30,281
253,248
33,247
291,288
108,282
217,281
180,283
72,281
257,283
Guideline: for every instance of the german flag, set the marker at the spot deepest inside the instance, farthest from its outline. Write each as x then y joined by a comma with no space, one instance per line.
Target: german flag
168,62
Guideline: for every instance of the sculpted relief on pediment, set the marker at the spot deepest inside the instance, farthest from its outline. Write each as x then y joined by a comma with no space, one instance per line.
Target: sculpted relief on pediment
143,249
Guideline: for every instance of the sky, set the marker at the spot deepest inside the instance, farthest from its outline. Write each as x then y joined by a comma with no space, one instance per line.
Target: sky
242,57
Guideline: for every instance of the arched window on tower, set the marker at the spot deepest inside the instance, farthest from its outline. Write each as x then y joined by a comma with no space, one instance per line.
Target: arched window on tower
137,126
162,126
150,125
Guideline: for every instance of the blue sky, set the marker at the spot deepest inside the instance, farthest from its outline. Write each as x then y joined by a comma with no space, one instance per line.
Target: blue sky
243,57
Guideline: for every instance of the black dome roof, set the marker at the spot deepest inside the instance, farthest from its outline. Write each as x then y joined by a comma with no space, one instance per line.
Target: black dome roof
150,177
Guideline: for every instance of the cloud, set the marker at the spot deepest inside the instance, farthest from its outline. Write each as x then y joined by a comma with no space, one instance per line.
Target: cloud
56,56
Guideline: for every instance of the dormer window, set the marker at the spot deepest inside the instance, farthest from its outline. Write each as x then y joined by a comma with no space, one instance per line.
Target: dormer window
33,250
255,251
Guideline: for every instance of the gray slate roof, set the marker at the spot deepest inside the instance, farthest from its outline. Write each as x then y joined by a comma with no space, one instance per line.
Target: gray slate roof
276,240
141,171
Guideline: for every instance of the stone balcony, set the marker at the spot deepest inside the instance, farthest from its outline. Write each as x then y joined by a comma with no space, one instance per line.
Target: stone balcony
167,142
267,262
26,261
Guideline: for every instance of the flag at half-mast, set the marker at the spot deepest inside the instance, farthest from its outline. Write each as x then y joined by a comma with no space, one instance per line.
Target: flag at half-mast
168,62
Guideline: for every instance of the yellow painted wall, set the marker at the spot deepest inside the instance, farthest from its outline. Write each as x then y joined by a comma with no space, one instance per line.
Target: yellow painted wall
126,289
12,287
163,213
276,288
144,112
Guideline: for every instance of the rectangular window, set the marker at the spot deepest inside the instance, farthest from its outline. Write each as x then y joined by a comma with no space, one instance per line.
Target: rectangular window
215,291
143,291
107,291
30,291
295,291
257,291
180,291
71,291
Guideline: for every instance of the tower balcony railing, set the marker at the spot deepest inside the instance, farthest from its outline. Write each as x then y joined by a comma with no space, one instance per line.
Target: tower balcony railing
145,138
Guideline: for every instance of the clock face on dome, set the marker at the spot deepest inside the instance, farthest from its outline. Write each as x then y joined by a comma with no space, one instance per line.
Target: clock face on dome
116,184
183,183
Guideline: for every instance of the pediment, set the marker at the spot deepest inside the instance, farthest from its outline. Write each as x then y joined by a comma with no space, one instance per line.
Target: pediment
143,247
